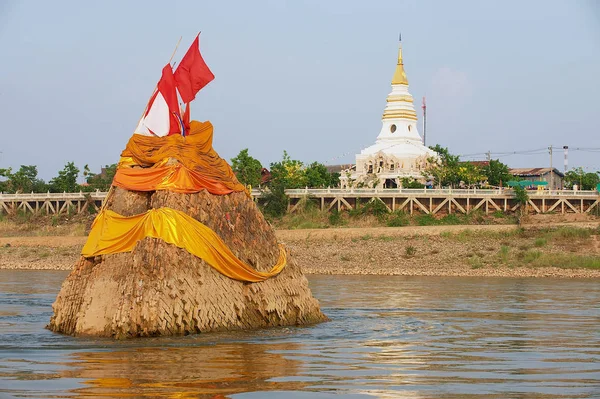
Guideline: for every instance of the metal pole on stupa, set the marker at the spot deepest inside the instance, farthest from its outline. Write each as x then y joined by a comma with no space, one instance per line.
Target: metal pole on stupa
424,107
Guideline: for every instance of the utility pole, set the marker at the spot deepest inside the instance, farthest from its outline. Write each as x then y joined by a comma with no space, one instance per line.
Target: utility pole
566,151
424,107
551,168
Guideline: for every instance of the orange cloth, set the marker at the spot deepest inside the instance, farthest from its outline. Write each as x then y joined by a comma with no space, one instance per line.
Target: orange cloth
194,151
112,233
175,178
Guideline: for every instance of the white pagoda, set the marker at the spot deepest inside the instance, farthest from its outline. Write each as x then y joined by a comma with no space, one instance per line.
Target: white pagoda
398,151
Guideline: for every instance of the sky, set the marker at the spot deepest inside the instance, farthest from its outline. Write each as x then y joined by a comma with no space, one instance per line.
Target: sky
308,77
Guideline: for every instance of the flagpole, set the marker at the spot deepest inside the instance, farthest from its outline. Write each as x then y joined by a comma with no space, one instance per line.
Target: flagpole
111,189
174,51
154,90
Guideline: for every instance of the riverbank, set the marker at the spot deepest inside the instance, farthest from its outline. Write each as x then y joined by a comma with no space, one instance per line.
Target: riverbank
556,250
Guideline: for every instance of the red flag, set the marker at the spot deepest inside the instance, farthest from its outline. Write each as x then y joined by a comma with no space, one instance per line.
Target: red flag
166,86
162,113
192,74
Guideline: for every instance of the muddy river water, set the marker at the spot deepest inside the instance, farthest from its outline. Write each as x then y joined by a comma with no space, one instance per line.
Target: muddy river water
389,337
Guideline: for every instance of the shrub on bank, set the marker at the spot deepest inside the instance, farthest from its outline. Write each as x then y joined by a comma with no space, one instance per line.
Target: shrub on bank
398,219
335,218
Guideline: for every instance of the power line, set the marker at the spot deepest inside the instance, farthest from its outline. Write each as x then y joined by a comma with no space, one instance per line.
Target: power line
535,151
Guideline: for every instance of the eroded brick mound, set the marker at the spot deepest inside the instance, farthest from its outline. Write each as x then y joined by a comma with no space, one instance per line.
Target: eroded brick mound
159,289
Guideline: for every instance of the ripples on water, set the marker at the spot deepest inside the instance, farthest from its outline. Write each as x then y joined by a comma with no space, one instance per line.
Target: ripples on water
390,337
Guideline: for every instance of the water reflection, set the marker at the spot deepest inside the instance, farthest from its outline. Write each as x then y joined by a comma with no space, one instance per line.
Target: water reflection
388,338
184,371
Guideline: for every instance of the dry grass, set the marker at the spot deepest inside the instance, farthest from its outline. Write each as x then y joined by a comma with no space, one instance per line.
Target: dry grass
38,257
434,250
45,226
516,252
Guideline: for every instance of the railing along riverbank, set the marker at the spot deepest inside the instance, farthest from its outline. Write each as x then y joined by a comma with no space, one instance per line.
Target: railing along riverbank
430,201
449,200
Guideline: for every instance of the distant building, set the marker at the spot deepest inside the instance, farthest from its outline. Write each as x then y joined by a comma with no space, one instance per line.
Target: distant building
398,151
554,177
336,168
265,176
481,164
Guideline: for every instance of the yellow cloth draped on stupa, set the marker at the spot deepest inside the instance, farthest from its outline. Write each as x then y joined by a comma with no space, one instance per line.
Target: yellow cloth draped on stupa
146,165
112,233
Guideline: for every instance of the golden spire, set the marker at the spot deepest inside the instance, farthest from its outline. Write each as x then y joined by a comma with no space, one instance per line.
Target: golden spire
400,76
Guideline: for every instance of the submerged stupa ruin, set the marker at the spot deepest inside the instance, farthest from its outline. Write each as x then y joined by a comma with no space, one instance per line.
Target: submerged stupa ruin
179,247
399,151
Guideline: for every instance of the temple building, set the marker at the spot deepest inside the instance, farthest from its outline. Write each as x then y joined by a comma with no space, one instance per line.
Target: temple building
398,151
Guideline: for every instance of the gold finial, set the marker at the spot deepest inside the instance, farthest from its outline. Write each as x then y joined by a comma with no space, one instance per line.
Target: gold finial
400,76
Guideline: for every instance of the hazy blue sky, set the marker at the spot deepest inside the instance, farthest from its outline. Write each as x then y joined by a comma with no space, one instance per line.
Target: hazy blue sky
309,77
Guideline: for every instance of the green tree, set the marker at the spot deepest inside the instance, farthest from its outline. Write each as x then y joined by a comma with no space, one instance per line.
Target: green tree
66,181
470,174
522,198
288,173
275,200
497,173
24,180
101,181
411,183
246,168
317,176
585,181
334,179
444,169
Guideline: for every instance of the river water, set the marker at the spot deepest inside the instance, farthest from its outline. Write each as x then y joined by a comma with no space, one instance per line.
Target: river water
389,337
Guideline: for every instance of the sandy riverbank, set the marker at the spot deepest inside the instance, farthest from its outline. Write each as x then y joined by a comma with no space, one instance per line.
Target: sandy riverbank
489,250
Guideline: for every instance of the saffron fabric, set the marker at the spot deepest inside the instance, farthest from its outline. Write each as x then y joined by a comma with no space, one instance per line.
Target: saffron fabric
194,152
112,233
176,178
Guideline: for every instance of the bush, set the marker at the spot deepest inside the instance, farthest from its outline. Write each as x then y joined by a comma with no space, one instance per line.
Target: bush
521,195
276,201
357,211
307,204
451,219
499,214
398,219
475,217
572,232
374,207
427,220
335,218
504,250
411,183
23,216
530,256
410,250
